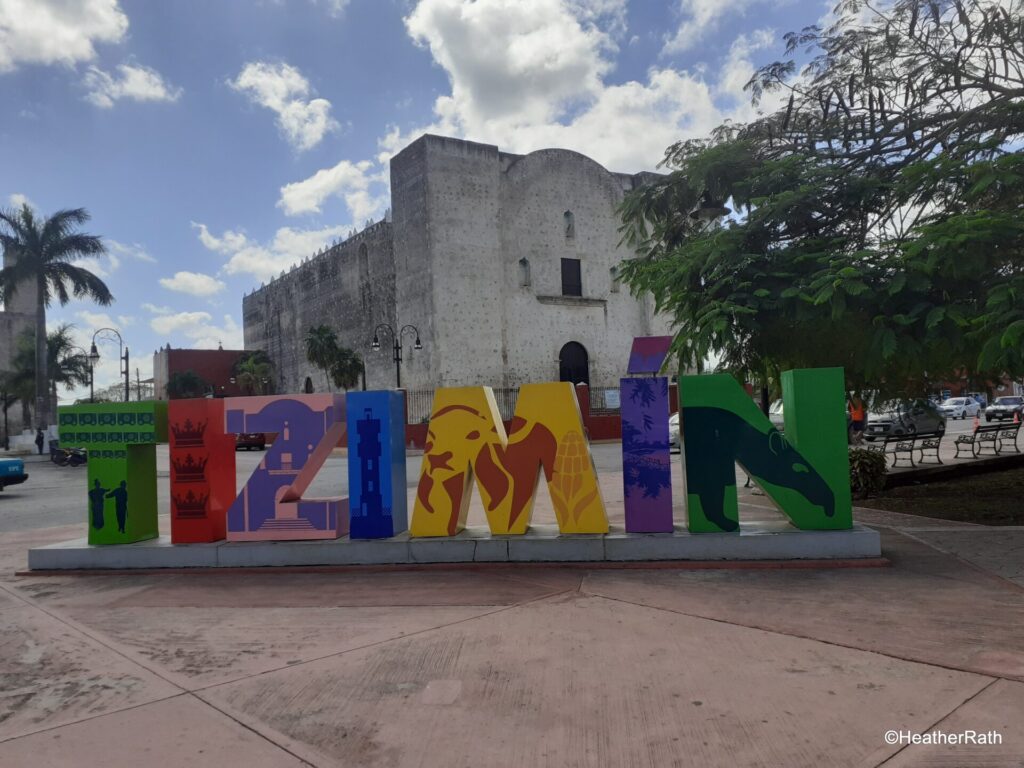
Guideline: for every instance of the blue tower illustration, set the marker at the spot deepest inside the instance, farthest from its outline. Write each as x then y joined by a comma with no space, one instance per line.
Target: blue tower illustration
371,503
378,503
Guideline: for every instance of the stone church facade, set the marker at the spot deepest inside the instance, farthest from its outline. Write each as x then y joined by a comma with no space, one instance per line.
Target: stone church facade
506,264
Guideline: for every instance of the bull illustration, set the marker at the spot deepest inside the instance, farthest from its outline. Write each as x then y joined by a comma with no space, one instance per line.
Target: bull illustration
716,439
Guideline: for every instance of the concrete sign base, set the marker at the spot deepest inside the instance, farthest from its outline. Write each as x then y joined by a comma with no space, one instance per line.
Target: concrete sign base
776,540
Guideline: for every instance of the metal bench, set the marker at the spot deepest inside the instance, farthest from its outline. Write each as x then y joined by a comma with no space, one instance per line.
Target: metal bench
929,441
985,436
1008,435
901,444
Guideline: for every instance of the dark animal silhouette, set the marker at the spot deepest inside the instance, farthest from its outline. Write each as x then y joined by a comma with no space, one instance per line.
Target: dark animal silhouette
721,438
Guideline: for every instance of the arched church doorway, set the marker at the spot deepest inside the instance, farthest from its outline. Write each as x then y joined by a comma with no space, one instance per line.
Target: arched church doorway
574,364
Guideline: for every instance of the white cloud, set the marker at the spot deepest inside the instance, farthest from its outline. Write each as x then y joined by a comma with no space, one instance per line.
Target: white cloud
17,200
133,251
265,261
154,309
699,18
194,283
132,81
282,89
57,31
519,94
363,189
539,59
199,329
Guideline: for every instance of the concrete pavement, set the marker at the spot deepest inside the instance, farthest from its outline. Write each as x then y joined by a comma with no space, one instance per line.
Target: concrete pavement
538,666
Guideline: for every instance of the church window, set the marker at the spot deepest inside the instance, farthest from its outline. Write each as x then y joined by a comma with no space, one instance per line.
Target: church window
616,280
572,282
524,272
570,225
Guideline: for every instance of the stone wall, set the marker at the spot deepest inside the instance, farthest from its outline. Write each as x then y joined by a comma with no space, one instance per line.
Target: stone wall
350,287
472,258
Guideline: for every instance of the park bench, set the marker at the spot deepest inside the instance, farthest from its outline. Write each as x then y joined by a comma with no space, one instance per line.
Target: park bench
990,435
900,444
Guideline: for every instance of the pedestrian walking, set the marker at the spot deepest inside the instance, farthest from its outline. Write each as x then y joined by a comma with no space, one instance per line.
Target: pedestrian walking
40,440
858,414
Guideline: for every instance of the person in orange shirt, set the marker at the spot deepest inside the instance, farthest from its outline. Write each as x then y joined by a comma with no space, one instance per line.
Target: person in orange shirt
858,415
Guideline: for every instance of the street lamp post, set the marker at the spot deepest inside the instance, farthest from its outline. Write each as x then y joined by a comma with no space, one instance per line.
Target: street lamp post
94,356
88,358
396,349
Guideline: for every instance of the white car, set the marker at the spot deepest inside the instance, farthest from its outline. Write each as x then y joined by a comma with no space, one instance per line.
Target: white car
673,433
959,408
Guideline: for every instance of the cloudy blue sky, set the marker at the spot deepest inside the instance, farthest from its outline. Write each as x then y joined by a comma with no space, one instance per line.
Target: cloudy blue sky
216,142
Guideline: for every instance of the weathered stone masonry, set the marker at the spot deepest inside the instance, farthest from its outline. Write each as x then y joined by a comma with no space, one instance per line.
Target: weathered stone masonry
473,257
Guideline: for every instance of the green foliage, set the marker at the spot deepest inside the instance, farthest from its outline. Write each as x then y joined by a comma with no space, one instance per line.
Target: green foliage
65,366
42,252
341,366
877,211
867,472
187,384
254,373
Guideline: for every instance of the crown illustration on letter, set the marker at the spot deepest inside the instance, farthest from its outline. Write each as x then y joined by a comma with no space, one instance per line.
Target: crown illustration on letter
189,470
191,505
189,434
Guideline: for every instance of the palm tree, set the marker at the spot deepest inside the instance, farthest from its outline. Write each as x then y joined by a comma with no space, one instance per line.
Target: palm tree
321,349
252,370
41,253
63,365
346,368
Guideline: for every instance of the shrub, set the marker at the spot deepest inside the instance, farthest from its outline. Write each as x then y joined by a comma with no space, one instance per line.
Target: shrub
867,472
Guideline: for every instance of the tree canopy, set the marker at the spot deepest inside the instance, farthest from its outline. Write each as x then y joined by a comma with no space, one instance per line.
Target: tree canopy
42,252
341,366
254,373
184,385
65,366
876,217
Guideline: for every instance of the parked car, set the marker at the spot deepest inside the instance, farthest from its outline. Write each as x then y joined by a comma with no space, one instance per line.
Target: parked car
981,397
12,472
1005,408
674,440
250,440
960,408
905,419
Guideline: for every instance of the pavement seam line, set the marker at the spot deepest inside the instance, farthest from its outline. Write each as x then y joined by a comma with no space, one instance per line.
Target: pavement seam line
203,689
89,718
1002,580
946,716
809,638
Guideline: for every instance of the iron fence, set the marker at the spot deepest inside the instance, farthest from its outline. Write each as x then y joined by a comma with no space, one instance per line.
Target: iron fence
420,403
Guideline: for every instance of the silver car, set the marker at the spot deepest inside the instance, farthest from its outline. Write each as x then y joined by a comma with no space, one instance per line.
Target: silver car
905,419
674,440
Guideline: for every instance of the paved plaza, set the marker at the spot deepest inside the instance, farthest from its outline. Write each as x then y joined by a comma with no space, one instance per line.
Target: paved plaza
515,665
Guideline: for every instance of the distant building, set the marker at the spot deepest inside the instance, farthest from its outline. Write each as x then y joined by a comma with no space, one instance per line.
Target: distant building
214,366
507,264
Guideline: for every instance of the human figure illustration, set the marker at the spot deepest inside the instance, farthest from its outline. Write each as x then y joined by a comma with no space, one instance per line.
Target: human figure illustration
96,496
120,497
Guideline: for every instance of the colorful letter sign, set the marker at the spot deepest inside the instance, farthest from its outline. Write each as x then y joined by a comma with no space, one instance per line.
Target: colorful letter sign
804,472
646,463
202,459
378,502
120,439
271,506
467,438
